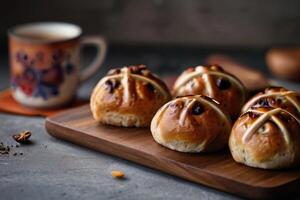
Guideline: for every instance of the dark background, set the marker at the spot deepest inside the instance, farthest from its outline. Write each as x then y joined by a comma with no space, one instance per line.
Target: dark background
168,36
196,23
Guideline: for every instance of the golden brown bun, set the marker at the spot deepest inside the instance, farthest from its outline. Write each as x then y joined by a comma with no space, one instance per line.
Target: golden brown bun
214,82
266,138
128,97
191,124
277,97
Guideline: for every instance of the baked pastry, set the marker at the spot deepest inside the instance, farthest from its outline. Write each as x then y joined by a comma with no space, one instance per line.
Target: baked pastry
266,137
128,97
277,97
191,124
214,82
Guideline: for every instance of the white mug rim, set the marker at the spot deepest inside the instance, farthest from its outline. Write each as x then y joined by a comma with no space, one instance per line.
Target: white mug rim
13,32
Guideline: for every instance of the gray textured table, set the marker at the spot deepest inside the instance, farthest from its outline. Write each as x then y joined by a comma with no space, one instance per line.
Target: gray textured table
54,169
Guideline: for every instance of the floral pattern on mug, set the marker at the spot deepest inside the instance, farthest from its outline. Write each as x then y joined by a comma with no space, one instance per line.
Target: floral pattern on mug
42,82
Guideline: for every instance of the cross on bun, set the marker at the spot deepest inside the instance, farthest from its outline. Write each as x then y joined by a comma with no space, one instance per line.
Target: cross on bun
266,137
214,82
191,124
277,97
128,97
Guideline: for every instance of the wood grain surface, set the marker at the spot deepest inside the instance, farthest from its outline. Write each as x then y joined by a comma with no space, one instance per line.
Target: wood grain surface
217,170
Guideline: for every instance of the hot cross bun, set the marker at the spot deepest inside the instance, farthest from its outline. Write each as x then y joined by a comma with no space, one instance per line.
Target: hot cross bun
128,96
266,137
191,124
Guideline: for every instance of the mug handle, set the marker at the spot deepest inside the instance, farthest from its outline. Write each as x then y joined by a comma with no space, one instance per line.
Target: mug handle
101,46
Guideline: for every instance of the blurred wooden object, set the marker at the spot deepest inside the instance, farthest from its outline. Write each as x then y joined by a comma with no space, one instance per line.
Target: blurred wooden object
10,105
284,63
252,79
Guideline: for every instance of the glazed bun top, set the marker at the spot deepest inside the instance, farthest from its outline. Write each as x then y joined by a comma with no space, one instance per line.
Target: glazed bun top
277,97
214,82
132,83
259,121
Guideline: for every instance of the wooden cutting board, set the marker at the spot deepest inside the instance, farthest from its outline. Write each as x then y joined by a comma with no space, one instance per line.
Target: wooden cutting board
217,170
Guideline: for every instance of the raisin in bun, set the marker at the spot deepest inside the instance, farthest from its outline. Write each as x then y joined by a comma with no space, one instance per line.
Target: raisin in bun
128,97
214,82
277,97
191,124
266,137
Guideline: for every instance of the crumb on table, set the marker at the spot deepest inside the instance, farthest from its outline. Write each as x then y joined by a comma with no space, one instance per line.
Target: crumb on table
117,174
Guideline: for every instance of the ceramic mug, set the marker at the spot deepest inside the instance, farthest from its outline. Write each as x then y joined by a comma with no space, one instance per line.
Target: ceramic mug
45,62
